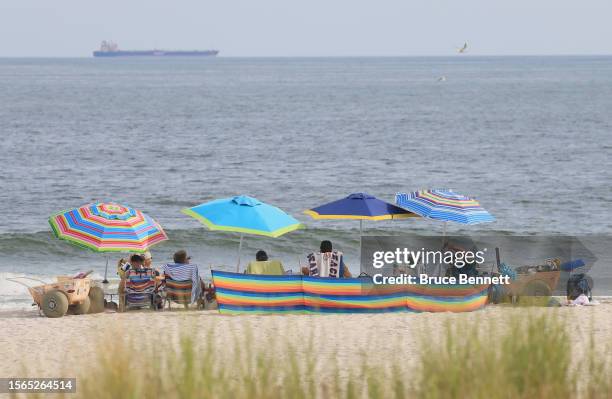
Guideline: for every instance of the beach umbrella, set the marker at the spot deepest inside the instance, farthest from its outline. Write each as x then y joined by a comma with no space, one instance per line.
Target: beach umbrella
244,215
359,206
444,205
107,227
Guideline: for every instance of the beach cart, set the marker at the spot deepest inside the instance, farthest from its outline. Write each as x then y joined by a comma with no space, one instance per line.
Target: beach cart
74,295
535,284
536,281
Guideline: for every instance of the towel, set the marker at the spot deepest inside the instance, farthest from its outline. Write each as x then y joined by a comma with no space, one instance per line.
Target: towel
581,300
326,264
268,267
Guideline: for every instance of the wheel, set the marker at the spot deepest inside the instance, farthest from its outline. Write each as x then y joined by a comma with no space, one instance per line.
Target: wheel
535,293
81,308
96,299
54,304
536,288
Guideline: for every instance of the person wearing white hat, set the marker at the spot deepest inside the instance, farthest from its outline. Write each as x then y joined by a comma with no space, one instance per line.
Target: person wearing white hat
148,259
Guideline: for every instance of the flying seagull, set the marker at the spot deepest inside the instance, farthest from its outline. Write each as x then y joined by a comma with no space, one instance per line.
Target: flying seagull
463,49
442,78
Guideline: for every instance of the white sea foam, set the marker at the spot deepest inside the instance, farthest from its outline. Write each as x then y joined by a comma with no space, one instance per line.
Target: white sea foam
14,295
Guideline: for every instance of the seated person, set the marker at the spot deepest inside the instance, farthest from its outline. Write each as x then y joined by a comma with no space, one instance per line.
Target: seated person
264,266
182,270
147,259
136,263
148,262
468,269
327,263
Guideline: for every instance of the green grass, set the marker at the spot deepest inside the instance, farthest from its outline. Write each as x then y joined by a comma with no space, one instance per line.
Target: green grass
528,357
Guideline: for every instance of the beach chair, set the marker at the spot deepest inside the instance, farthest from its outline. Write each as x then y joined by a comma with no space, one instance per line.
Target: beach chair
177,291
140,290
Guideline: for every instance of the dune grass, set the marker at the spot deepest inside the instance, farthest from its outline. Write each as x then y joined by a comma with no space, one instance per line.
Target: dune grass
528,357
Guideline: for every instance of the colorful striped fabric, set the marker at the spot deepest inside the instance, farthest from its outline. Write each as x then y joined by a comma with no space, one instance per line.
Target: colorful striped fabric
244,293
139,288
184,272
445,205
178,291
107,227
241,293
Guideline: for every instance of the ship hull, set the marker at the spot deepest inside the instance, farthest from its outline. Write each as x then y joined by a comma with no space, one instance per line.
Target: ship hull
155,53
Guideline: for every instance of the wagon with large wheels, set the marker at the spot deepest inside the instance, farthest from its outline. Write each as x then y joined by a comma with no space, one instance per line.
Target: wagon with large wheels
535,284
74,295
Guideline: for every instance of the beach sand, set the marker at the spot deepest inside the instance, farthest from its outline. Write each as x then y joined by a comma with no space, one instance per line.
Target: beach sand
35,346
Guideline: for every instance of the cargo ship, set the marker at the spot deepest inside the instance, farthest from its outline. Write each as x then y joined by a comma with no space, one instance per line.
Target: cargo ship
110,49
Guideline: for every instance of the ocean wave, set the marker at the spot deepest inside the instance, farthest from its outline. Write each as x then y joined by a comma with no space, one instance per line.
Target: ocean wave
16,244
172,202
43,242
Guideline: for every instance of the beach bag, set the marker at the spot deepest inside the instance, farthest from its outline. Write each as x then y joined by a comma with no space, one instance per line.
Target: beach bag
506,270
579,284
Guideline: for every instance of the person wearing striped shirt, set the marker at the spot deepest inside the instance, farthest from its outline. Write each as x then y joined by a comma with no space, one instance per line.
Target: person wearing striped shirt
183,270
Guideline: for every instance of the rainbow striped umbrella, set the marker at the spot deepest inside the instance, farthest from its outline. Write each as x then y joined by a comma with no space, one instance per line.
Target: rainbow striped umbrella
107,227
445,205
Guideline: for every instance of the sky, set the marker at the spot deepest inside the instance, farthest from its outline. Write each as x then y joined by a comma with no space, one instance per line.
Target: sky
73,28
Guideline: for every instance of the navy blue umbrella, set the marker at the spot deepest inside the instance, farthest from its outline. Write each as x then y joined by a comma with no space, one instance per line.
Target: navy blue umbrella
359,206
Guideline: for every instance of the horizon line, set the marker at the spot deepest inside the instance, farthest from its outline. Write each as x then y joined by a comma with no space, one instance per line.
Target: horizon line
321,56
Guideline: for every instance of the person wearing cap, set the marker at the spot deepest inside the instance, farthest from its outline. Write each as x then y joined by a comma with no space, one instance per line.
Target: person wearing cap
262,265
135,262
182,270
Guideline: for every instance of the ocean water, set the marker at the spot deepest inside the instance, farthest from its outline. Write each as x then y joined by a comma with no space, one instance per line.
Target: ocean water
530,137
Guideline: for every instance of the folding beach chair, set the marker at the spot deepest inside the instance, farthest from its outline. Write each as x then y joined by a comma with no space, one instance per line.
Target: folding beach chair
139,290
177,291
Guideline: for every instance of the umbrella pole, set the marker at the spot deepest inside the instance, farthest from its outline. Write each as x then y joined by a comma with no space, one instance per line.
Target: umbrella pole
360,238
105,281
443,245
239,251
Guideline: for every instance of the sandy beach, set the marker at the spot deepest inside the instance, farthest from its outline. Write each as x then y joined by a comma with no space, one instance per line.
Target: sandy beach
39,347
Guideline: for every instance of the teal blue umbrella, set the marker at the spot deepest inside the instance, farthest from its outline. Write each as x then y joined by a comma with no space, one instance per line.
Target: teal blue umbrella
244,215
